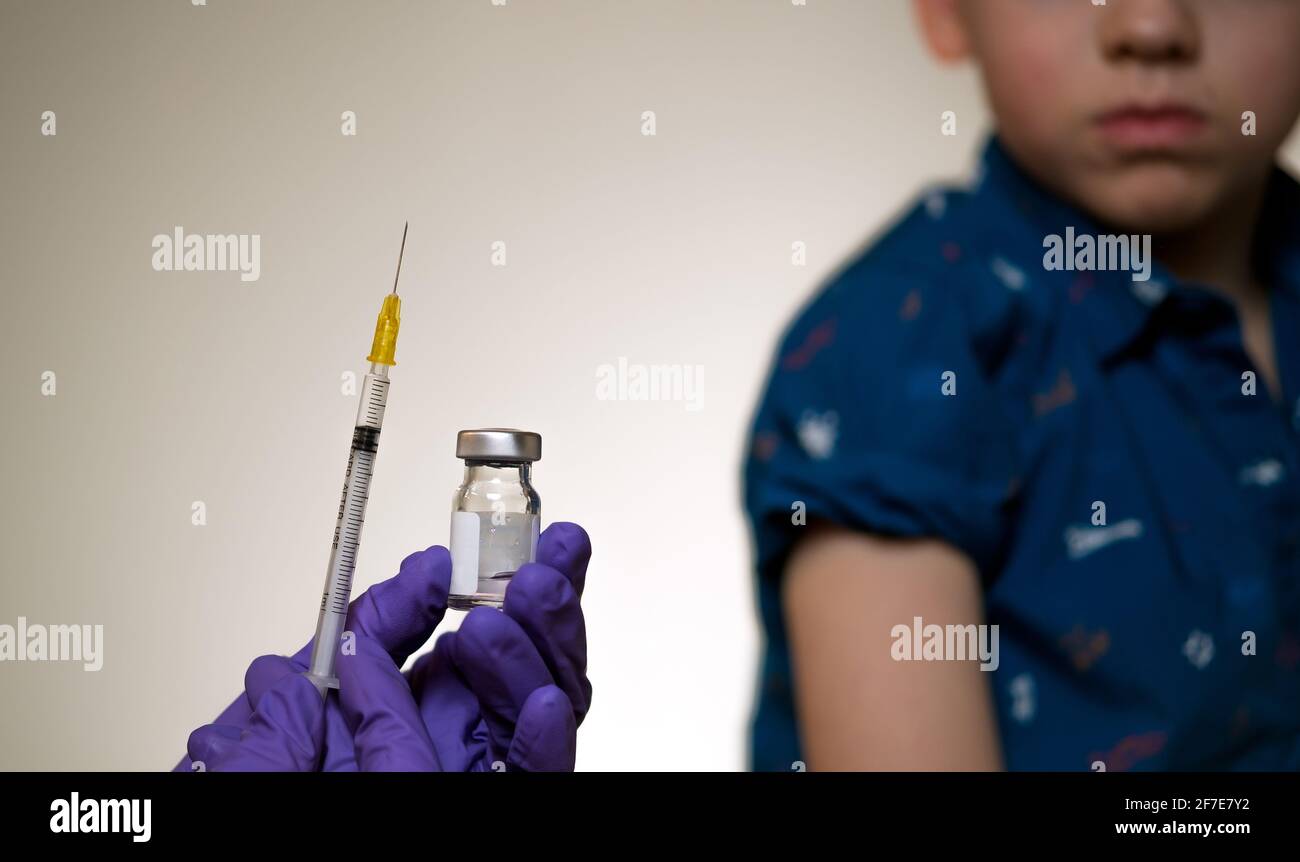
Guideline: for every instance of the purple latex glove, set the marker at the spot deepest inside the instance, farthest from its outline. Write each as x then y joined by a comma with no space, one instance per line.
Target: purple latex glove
508,689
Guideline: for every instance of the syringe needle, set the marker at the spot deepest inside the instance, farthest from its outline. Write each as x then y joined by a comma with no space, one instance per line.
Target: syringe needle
356,490
399,257
385,345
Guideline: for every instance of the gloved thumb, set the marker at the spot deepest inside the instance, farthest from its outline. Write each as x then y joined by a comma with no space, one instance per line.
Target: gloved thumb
388,734
284,734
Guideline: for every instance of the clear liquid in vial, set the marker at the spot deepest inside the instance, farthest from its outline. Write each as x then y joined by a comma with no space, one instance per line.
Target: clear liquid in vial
505,541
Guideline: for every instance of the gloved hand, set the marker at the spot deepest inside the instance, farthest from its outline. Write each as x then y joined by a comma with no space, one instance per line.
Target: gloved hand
506,688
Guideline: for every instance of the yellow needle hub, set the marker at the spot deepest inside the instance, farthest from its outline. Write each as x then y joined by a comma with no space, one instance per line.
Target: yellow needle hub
384,348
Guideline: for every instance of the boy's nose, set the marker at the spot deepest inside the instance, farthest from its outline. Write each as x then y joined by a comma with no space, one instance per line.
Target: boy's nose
1149,31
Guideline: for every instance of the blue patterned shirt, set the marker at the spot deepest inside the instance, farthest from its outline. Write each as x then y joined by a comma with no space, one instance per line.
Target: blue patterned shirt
1102,448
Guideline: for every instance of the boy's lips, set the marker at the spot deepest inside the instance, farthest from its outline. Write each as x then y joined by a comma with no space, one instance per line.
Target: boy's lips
1158,127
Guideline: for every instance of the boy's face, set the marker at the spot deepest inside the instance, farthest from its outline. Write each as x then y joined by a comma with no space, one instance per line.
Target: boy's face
1133,109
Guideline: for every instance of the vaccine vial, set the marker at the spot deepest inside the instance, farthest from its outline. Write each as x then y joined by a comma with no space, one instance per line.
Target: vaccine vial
496,514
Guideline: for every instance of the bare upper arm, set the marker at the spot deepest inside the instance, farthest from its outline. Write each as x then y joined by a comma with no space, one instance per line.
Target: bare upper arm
859,708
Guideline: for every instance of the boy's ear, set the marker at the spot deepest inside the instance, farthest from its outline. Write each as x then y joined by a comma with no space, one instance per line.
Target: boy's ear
944,28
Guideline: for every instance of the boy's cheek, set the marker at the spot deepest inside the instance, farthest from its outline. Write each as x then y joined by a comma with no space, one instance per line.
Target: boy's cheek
1035,99
1252,49
1038,69
1266,82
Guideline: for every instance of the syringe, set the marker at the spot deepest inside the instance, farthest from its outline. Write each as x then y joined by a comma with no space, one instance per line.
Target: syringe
356,491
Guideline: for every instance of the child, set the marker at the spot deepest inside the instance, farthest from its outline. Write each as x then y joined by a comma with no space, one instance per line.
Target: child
1002,415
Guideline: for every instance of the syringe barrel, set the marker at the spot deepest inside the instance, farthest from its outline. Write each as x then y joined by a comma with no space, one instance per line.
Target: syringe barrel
374,397
347,529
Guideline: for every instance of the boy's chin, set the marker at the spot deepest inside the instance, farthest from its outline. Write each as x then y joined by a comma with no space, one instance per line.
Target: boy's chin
1153,202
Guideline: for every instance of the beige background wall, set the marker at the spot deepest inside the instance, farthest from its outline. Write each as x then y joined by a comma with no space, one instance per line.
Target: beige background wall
479,123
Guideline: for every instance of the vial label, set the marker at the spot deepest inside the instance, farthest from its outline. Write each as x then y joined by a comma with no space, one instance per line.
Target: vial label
464,553
487,548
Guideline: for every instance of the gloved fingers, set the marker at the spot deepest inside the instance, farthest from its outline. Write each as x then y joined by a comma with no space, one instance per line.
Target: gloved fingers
240,710
338,755
546,606
546,734
267,671
236,715
450,711
567,548
287,728
402,612
284,733
501,666
263,673
388,734
210,742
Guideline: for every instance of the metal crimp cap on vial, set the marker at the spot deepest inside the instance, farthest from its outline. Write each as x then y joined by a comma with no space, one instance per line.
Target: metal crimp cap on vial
499,444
